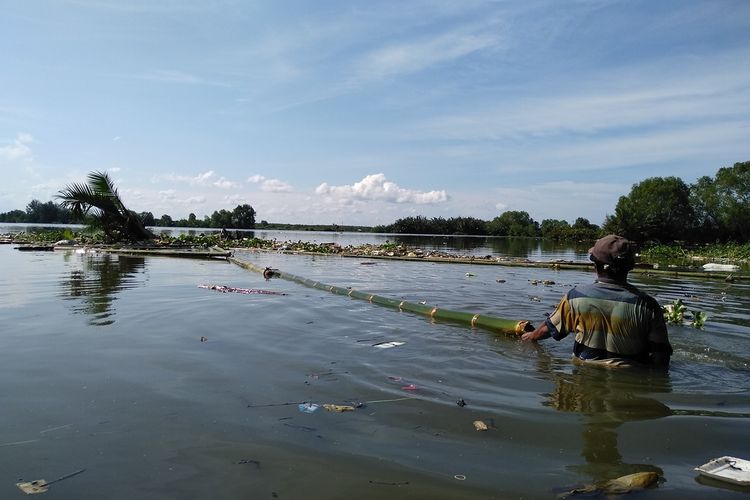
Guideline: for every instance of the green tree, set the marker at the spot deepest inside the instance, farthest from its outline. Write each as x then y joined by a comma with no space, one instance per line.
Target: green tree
192,221
147,218
513,223
13,216
554,229
243,217
656,209
36,211
732,201
583,230
165,221
221,218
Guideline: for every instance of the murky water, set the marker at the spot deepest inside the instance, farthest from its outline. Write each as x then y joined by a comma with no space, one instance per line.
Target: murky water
104,369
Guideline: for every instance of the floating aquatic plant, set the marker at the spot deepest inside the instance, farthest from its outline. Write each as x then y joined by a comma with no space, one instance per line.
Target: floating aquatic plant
676,312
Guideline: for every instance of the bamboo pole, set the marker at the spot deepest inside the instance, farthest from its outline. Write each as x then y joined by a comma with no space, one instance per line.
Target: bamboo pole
491,323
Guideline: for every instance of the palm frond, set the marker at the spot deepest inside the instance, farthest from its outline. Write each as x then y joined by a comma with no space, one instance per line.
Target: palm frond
102,183
109,212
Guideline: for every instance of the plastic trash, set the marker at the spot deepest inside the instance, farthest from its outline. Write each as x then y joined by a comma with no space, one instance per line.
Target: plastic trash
308,407
712,266
728,469
387,345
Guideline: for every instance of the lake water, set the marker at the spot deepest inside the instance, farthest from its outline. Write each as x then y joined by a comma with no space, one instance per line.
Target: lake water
104,369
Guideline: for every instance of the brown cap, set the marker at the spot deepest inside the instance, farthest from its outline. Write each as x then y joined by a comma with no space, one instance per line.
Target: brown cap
615,251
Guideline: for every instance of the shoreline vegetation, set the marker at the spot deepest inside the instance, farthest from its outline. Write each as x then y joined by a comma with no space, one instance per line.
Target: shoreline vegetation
685,260
661,210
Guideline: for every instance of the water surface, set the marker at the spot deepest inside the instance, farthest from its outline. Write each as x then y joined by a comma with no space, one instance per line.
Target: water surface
161,389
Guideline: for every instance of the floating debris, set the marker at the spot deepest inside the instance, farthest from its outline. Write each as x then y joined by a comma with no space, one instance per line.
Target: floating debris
308,407
41,486
256,463
712,266
461,403
232,289
480,425
618,486
729,469
338,408
387,345
385,483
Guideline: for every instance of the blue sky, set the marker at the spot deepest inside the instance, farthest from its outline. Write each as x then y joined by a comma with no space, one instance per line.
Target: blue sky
362,112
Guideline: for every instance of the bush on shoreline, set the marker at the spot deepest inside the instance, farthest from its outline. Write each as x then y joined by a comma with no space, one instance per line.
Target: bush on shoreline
657,253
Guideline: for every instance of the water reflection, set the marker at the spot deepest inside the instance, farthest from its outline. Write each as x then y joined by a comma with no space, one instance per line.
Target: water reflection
94,285
606,399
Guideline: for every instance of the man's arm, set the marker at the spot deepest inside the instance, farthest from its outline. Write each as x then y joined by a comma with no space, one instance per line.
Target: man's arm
659,354
541,332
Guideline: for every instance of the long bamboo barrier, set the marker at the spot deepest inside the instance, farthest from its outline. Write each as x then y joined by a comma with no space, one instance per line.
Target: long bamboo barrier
491,323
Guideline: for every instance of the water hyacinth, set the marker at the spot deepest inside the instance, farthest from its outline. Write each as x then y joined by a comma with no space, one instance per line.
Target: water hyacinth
676,312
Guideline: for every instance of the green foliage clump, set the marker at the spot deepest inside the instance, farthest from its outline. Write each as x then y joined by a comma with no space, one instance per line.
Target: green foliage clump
675,313
676,253
662,253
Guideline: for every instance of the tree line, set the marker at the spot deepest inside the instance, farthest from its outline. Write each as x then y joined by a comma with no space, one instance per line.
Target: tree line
510,223
242,217
658,209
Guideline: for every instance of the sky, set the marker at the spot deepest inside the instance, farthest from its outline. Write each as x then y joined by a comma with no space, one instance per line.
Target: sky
362,112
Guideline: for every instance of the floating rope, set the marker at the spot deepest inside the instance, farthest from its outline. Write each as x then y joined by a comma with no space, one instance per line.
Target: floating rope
491,323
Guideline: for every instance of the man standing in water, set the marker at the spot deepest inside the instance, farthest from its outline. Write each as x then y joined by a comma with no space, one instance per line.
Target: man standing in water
612,320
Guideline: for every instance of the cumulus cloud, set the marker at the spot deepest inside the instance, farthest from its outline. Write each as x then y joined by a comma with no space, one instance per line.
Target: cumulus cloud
376,187
270,185
18,148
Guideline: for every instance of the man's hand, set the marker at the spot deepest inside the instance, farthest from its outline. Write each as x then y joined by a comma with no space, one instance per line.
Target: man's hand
542,332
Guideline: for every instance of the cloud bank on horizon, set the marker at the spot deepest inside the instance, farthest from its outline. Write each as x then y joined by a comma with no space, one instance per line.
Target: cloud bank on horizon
362,113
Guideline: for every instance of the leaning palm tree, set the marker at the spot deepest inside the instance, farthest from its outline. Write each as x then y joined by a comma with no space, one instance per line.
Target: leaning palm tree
100,201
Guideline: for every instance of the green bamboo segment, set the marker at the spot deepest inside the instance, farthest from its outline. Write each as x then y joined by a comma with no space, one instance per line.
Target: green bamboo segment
495,324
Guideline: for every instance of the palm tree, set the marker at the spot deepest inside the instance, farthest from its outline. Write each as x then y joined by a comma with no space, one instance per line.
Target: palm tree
108,213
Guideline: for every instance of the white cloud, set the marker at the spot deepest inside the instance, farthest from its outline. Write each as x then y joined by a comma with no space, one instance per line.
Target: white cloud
225,184
377,187
114,169
18,149
202,179
276,186
270,185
